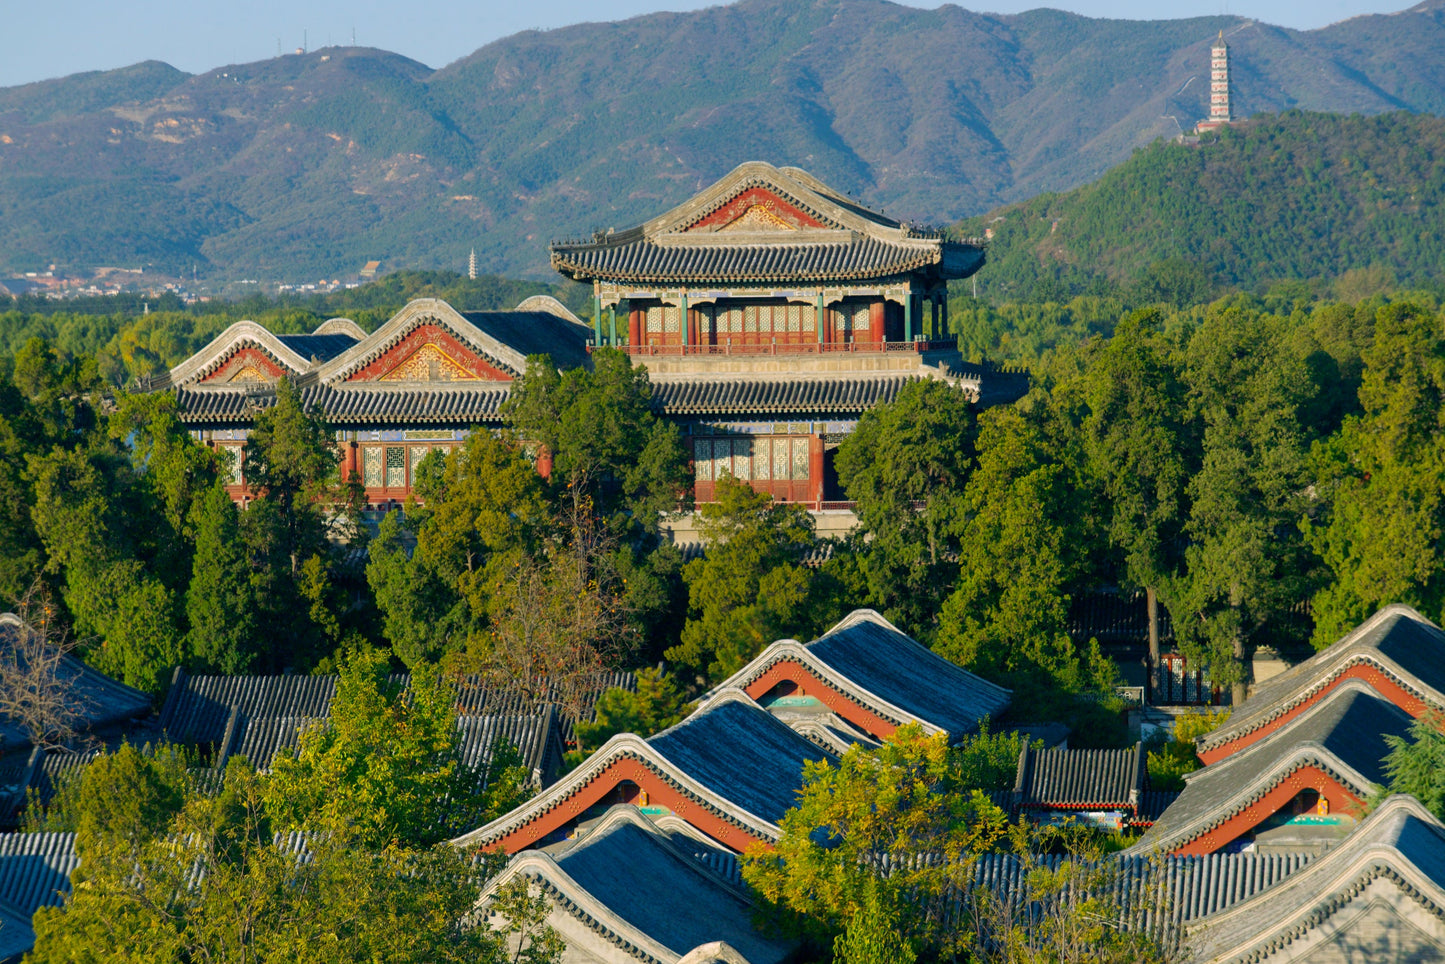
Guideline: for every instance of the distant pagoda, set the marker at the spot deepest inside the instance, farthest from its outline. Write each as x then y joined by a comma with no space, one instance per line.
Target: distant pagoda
1219,114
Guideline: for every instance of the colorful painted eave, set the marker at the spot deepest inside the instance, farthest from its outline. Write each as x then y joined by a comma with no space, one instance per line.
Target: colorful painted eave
1355,656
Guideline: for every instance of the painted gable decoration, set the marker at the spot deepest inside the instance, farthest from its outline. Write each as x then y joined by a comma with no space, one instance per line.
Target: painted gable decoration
429,353
246,365
757,209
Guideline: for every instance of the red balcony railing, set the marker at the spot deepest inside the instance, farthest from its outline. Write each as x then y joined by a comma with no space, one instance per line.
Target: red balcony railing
795,348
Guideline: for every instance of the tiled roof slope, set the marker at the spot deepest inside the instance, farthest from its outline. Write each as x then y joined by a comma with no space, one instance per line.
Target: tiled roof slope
846,242
34,872
880,670
841,394
1378,895
365,403
1343,735
1158,894
869,650
261,716
1081,779
199,709
100,701
1397,647
734,767
630,257
630,887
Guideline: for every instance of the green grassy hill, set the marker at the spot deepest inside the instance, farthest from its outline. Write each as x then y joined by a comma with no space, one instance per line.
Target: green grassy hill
1291,196
307,166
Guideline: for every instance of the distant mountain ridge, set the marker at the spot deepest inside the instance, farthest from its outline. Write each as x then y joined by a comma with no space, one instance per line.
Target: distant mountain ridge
309,165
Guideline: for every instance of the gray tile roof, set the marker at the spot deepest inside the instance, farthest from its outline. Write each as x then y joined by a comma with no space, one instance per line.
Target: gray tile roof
1343,734
1397,641
1400,847
1075,779
837,239
35,872
629,258
873,653
842,394
101,703
480,403
742,754
318,347
536,333
662,891
730,758
260,716
365,403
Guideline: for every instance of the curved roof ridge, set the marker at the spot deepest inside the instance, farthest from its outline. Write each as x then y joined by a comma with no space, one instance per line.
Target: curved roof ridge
415,313
340,326
784,648
1288,910
236,336
620,747
579,902
552,306
1283,693
1283,735
1259,768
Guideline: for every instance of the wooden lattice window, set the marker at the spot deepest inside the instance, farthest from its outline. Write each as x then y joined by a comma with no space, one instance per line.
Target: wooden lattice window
395,467
371,466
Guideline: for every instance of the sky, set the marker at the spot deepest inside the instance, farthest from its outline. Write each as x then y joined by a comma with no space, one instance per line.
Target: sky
59,37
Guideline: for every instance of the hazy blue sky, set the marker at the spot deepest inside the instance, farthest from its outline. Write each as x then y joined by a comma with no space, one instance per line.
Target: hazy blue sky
58,37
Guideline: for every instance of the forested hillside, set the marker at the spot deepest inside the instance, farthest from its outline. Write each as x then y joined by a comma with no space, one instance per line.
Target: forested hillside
310,165
1297,196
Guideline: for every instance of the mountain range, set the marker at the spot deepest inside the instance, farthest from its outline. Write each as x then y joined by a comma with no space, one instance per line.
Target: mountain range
308,165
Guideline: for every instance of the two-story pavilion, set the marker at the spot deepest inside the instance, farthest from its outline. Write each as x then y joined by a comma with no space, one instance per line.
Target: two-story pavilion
770,311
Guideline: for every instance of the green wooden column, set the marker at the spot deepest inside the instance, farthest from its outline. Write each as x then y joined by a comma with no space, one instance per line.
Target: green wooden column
612,322
683,320
596,317
821,311
908,317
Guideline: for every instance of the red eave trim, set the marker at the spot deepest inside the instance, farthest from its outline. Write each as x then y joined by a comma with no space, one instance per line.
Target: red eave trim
659,791
830,696
1305,778
1372,675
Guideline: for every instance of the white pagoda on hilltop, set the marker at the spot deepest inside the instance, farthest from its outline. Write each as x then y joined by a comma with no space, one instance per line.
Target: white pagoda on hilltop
1219,114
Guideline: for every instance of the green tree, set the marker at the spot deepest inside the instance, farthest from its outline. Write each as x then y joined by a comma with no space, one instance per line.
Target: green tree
860,829
750,588
485,510
1246,562
384,768
872,936
905,466
1022,531
221,601
653,706
216,884
605,441
1139,445
290,460
1382,513
1417,765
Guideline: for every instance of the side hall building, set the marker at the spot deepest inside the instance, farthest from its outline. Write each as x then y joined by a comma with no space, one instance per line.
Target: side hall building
770,311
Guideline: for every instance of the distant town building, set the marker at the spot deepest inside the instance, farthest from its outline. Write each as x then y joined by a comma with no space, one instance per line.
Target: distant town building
368,271
1219,113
